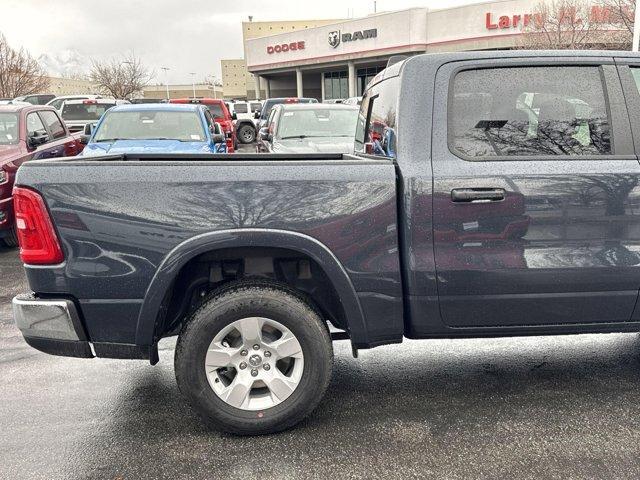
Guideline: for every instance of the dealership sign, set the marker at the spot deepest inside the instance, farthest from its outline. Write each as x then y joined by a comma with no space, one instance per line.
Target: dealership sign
336,37
598,14
285,47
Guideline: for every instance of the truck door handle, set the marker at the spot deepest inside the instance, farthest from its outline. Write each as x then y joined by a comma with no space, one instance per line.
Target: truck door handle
470,195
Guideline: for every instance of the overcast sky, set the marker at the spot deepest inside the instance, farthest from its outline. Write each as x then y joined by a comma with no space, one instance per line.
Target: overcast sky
186,36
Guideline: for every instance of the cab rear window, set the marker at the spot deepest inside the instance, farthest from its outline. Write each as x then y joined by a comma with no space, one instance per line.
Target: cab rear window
240,108
216,110
84,111
376,130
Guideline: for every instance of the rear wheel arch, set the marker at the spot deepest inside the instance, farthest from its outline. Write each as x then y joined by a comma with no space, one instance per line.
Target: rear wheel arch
162,282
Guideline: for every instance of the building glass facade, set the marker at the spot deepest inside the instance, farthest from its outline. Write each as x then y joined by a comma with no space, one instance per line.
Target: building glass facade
364,76
336,85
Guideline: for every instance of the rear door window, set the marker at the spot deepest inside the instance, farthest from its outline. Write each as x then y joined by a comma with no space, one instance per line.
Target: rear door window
529,111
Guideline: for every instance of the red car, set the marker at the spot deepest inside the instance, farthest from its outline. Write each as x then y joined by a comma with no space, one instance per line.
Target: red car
28,132
220,114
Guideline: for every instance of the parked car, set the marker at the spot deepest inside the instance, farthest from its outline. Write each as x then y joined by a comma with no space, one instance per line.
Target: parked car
79,113
263,114
353,101
220,113
36,99
244,126
161,128
309,128
334,100
435,234
58,101
27,132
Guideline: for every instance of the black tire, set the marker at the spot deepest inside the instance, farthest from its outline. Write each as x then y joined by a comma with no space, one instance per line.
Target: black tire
247,134
241,300
11,240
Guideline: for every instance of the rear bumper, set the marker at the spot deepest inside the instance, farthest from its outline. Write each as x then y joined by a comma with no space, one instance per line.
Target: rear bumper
51,325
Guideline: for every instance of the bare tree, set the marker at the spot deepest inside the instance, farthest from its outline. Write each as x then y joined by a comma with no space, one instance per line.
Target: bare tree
20,73
572,25
121,77
620,12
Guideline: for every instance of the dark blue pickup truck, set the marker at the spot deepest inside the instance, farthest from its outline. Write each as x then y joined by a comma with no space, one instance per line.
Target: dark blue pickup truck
490,194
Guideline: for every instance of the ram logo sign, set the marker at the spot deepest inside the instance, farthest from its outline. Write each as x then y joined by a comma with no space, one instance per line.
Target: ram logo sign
335,37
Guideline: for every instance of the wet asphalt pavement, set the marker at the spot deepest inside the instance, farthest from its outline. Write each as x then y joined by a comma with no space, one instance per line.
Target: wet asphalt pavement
556,407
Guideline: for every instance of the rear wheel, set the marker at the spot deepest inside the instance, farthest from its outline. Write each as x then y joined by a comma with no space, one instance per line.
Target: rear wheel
247,134
255,358
11,240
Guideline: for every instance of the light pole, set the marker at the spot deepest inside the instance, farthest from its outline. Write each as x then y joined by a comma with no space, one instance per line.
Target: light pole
166,82
636,29
193,82
214,80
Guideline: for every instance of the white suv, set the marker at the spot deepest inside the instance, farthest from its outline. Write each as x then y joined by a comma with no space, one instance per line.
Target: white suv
244,119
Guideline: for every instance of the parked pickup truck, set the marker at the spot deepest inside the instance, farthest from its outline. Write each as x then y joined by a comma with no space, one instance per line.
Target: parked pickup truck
501,197
28,132
164,128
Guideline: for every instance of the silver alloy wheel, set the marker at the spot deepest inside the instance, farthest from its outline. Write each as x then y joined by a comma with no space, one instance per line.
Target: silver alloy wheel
254,363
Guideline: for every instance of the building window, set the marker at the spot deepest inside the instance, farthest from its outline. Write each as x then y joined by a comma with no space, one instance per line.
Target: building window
364,76
336,85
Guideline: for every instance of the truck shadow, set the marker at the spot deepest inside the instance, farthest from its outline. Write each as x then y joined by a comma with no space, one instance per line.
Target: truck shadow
438,396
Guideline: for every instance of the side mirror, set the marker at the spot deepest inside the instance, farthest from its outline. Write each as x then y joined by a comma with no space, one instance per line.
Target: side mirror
84,139
234,116
265,135
257,115
88,128
218,138
36,140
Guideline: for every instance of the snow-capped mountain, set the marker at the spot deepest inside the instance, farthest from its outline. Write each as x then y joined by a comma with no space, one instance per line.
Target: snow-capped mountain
65,63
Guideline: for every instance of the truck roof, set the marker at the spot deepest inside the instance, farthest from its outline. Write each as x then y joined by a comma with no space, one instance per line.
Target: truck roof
445,57
13,108
156,107
316,106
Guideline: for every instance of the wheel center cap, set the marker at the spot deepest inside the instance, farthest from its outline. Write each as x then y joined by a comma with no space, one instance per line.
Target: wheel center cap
255,360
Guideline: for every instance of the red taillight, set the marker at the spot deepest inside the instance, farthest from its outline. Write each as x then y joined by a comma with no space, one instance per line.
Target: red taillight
90,102
38,240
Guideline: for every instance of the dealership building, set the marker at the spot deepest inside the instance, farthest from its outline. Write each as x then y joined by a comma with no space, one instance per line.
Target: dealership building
338,59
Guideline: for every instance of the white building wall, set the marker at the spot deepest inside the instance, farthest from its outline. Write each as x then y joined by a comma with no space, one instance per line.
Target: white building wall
468,23
400,31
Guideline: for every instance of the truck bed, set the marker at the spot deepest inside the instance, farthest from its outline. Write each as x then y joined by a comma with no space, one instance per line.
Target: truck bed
120,217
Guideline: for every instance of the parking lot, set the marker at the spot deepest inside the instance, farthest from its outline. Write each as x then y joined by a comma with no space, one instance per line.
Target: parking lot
555,407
